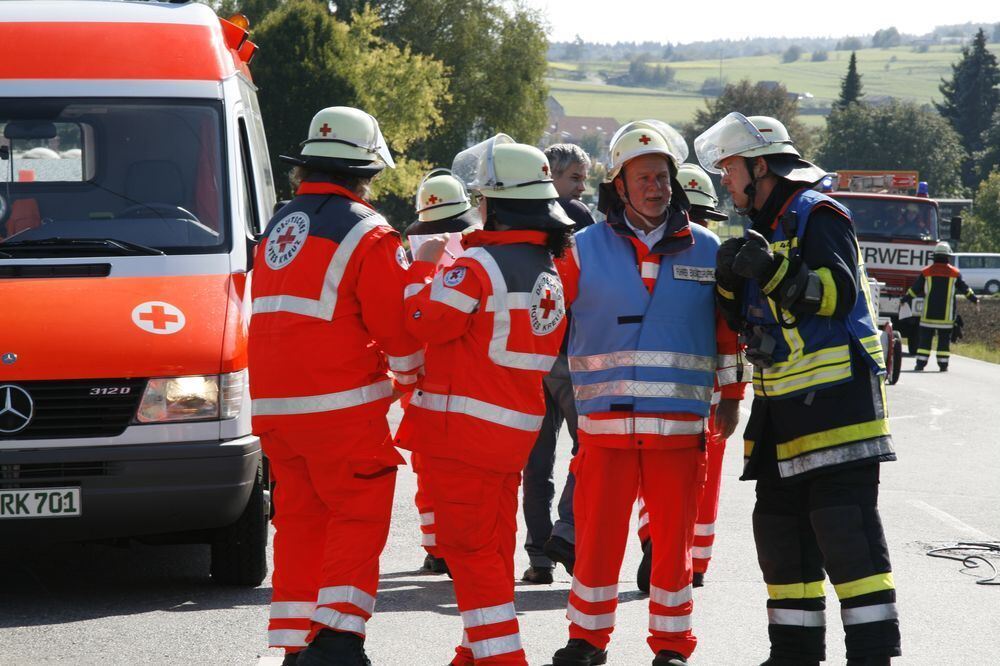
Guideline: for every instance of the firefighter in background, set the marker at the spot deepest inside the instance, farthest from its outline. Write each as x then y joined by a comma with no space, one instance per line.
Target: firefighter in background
700,192
492,323
938,284
327,328
795,285
643,355
443,213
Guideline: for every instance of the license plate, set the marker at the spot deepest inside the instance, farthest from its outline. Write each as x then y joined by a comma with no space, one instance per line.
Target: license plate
39,502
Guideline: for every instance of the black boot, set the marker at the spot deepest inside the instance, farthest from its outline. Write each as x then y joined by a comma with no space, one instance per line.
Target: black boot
537,575
645,566
785,661
881,660
334,648
579,652
559,550
434,565
698,580
669,658
919,367
942,368
291,659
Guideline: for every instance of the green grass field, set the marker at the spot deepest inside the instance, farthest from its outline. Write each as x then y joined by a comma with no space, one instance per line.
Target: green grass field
898,72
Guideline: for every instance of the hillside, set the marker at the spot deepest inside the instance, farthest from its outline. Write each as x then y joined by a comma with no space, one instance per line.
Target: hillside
900,72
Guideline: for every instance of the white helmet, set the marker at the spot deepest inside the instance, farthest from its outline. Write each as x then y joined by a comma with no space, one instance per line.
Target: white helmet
441,196
500,168
700,192
755,136
644,137
943,248
344,139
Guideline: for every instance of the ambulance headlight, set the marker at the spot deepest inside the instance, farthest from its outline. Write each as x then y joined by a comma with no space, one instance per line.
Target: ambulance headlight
197,398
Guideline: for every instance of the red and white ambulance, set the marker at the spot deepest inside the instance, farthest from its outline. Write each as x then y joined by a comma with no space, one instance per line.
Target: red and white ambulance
134,176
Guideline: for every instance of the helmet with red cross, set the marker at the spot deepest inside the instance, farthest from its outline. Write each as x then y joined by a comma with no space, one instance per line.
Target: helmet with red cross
645,137
700,193
441,196
344,140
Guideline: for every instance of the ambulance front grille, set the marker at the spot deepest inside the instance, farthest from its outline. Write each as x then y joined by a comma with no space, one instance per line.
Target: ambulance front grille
77,408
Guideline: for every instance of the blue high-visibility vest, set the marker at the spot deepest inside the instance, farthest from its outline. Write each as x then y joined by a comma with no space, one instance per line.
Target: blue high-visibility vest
632,350
812,351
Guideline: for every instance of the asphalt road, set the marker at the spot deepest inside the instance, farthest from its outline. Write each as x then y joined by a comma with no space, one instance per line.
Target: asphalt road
93,604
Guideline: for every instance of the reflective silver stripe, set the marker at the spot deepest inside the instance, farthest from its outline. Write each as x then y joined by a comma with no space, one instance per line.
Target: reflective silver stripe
412,290
645,359
311,404
346,594
639,425
637,389
866,614
465,639
863,450
516,300
796,618
452,297
701,552
807,378
406,363
716,397
323,307
427,518
284,610
428,540
591,622
670,623
727,376
491,647
287,637
727,360
650,270
459,404
502,302
405,379
595,594
340,621
704,529
644,519
668,598
479,617
641,502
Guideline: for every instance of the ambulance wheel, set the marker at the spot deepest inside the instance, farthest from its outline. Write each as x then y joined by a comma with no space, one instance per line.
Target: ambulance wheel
239,551
896,362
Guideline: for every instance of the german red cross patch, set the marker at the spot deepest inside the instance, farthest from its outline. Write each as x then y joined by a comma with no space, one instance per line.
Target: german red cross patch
286,239
548,307
454,277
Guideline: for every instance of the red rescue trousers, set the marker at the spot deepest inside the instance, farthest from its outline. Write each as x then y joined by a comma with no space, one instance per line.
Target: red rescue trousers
708,507
607,482
428,533
333,502
476,520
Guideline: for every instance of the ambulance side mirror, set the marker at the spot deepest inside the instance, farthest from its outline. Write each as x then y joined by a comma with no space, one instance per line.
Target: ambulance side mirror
956,228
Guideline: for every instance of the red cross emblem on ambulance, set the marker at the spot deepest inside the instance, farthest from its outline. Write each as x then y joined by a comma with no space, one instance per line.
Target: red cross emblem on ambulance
158,317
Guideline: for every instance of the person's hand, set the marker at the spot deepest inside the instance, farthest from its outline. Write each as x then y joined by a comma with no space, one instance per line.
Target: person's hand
724,274
755,259
727,417
431,250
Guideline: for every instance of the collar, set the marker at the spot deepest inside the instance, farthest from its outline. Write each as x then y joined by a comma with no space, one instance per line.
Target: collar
765,221
314,187
676,231
479,238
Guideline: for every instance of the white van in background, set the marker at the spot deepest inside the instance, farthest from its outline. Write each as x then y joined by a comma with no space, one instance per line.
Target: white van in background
980,270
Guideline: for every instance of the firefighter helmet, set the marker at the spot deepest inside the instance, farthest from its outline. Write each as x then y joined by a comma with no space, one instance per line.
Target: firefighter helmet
500,168
700,193
344,140
943,248
645,137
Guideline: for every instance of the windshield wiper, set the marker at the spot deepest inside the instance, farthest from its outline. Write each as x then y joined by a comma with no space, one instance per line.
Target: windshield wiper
77,246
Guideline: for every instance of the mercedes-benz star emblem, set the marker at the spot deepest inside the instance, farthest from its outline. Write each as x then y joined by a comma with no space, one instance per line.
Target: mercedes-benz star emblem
10,358
16,409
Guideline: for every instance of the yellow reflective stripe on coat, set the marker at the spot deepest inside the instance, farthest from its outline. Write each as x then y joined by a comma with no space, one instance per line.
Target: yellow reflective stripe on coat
725,293
810,361
827,438
828,301
821,376
814,590
747,447
855,588
775,280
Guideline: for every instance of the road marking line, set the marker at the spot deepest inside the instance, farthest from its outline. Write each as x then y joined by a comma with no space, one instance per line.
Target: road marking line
949,519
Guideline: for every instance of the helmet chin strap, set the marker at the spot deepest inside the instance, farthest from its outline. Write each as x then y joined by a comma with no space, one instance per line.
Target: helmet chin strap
750,190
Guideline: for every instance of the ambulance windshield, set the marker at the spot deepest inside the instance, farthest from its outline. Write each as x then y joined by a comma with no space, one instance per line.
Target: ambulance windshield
142,172
892,217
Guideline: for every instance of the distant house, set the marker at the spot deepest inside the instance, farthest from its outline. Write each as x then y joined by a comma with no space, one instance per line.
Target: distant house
574,129
554,108
771,85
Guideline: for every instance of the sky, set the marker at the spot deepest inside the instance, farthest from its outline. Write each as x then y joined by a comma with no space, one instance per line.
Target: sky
693,21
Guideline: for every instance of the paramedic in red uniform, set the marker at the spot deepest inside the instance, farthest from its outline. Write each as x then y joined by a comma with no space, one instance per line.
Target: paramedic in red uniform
443,212
704,207
493,323
644,358
326,334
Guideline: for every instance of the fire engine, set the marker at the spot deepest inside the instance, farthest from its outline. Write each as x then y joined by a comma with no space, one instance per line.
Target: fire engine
897,225
134,180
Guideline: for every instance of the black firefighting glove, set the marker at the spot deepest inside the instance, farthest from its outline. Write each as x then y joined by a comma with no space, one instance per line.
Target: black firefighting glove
755,259
724,275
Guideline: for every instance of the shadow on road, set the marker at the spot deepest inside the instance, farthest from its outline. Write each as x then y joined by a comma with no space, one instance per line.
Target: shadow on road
73,582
